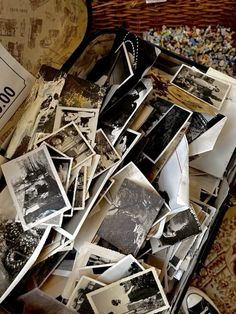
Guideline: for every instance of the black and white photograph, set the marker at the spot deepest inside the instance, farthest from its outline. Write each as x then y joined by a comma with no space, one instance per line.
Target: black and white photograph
130,216
121,70
206,88
71,191
126,142
83,259
95,260
78,300
108,155
126,267
200,123
115,119
183,225
80,189
70,141
86,119
35,187
18,251
163,134
63,166
139,293
160,109
95,270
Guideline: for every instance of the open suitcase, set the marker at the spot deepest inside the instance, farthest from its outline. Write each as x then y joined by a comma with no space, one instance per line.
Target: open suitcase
98,44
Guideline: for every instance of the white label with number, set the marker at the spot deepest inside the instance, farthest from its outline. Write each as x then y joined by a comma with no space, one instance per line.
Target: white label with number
15,85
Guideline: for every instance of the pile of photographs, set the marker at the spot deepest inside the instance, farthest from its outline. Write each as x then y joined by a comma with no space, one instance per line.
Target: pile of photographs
121,176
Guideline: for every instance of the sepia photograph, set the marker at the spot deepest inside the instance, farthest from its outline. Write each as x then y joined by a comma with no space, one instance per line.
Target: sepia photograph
139,293
35,187
18,251
206,88
63,166
108,155
130,216
78,300
70,141
124,268
115,119
163,134
86,120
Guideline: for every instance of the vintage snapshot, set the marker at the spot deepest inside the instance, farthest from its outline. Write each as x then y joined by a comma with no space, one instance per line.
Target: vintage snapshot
180,227
35,187
204,87
89,254
19,249
160,108
117,118
126,142
108,155
130,216
86,120
78,300
121,70
78,202
124,268
163,134
70,141
200,123
63,166
140,293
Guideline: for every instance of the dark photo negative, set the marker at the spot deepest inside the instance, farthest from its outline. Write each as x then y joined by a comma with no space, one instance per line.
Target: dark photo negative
78,300
130,216
163,134
180,227
139,293
35,187
70,141
206,88
17,249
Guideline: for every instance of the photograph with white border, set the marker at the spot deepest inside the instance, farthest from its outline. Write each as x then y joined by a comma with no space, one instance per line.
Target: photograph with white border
201,86
35,187
85,118
141,292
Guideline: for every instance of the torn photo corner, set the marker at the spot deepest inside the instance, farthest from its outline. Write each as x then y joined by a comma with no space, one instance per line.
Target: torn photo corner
35,187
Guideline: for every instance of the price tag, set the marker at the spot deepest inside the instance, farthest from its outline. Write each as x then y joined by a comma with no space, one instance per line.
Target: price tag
15,85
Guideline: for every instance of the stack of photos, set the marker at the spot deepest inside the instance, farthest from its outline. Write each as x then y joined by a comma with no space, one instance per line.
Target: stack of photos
127,171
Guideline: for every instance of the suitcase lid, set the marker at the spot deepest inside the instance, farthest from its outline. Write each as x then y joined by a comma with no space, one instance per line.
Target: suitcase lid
38,32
